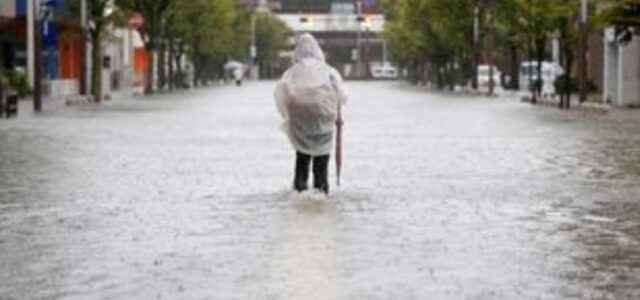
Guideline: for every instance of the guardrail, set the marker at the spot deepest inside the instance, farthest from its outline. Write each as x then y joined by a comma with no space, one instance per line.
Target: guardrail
61,88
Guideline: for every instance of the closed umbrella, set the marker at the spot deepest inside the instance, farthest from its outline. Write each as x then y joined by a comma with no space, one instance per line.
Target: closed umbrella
339,123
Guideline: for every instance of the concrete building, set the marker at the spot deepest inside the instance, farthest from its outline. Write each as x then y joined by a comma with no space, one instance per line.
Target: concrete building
621,70
349,31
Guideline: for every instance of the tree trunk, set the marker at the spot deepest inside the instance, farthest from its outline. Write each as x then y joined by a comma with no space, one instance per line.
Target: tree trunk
570,60
170,61
179,71
534,98
96,66
440,76
196,70
451,76
514,83
540,47
162,75
150,68
413,72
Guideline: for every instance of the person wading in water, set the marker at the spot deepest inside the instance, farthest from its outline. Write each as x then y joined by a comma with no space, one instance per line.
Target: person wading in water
307,98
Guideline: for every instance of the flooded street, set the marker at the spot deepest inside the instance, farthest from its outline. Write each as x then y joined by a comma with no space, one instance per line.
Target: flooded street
443,197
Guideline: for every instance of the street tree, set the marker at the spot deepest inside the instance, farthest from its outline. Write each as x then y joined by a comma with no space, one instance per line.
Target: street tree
404,36
101,14
433,38
624,13
153,12
565,16
271,37
207,46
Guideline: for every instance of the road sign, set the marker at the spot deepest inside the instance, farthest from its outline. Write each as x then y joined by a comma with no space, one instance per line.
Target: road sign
8,9
136,20
355,54
254,51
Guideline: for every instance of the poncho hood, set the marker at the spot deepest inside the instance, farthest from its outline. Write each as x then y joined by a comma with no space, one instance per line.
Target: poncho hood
307,48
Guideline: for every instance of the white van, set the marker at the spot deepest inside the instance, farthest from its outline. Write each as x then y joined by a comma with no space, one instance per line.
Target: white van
484,80
384,71
550,72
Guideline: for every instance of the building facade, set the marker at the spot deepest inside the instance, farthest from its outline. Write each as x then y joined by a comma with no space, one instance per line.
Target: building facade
348,31
621,69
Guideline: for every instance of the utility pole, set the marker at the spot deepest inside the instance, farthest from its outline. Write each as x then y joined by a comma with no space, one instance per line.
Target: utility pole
491,45
84,90
253,51
529,69
37,42
584,15
476,43
30,41
359,19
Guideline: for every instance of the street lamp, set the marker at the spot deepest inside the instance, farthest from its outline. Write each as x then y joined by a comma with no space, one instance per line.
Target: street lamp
584,44
359,19
253,51
476,45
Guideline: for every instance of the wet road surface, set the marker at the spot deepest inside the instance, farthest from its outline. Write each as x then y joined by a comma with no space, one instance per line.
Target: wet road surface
443,197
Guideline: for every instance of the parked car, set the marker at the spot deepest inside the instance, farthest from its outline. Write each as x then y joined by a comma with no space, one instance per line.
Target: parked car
384,71
484,78
550,73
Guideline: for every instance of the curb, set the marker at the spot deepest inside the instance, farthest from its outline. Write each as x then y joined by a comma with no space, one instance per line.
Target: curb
596,107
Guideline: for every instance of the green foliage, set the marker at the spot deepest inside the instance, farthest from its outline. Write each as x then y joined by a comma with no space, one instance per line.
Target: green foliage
566,84
433,39
271,37
205,26
624,13
242,33
432,34
15,81
100,15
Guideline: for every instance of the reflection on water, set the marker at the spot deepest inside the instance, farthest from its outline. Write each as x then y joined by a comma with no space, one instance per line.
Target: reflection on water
445,197
306,258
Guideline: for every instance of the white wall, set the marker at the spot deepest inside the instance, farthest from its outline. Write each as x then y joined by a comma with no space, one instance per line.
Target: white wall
611,66
629,74
621,71
332,22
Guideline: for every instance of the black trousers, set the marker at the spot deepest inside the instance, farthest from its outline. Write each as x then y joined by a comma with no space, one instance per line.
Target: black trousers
320,172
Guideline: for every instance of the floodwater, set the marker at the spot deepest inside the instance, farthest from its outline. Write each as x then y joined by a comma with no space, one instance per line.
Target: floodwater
444,197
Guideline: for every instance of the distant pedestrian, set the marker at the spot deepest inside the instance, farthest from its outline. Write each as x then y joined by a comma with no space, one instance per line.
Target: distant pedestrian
238,74
307,97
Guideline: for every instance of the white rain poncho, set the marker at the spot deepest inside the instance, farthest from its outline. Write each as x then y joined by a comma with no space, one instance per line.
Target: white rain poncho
307,97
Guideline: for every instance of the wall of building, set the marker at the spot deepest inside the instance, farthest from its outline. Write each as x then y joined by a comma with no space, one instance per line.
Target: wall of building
629,74
621,71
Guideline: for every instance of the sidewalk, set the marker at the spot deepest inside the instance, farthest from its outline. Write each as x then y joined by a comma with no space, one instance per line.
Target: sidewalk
56,106
575,103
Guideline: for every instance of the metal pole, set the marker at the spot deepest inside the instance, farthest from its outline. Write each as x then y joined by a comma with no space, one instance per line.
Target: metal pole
384,52
530,62
253,49
358,37
491,45
37,75
30,42
87,60
132,58
84,71
583,50
476,41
